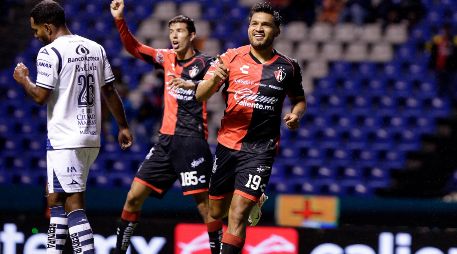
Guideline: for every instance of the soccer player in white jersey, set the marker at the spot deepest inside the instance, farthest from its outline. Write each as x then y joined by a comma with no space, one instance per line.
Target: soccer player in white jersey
72,75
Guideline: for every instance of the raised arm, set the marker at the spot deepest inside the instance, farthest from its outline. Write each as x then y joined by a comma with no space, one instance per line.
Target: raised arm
131,44
115,106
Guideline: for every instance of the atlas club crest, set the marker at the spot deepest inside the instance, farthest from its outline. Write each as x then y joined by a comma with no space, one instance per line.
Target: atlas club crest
194,71
280,74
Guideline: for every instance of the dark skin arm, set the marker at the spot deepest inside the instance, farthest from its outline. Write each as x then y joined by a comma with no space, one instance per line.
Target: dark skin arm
114,103
39,94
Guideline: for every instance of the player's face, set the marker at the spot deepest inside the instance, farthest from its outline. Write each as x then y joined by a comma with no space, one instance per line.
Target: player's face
40,32
262,30
180,38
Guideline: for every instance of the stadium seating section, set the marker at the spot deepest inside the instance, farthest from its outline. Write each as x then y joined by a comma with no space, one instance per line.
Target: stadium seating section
370,96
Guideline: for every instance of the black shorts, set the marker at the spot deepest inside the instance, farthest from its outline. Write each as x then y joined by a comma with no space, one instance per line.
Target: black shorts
243,173
174,157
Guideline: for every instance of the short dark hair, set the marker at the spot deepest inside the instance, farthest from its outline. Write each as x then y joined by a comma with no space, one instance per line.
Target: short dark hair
183,19
267,8
48,11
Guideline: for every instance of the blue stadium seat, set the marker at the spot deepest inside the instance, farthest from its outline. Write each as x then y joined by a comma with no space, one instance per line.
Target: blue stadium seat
322,173
278,169
120,180
5,177
393,70
435,16
394,123
303,186
342,122
381,138
367,69
14,163
325,85
212,12
376,86
313,155
345,172
355,188
329,187
437,107
401,88
23,178
279,185
288,152
340,69
300,171
406,52
350,87
98,179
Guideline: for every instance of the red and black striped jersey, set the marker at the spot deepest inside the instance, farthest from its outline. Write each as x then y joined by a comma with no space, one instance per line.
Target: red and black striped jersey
183,115
254,94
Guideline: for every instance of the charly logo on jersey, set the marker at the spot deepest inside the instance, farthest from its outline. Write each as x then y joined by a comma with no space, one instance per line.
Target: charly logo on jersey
280,74
81,50
194,71
244,69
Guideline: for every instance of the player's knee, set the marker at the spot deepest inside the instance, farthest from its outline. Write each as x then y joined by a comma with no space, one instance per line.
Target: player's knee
239,213
216,212
133,200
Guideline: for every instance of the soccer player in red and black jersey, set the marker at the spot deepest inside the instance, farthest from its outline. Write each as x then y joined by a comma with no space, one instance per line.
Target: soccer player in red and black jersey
255,80
182,151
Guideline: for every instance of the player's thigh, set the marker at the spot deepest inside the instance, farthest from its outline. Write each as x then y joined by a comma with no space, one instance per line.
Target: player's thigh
223,174
253,172
68,169
192,161
219,207
156,172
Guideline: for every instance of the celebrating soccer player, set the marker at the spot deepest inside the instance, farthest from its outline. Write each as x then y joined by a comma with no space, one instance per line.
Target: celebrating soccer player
182,151
257,78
